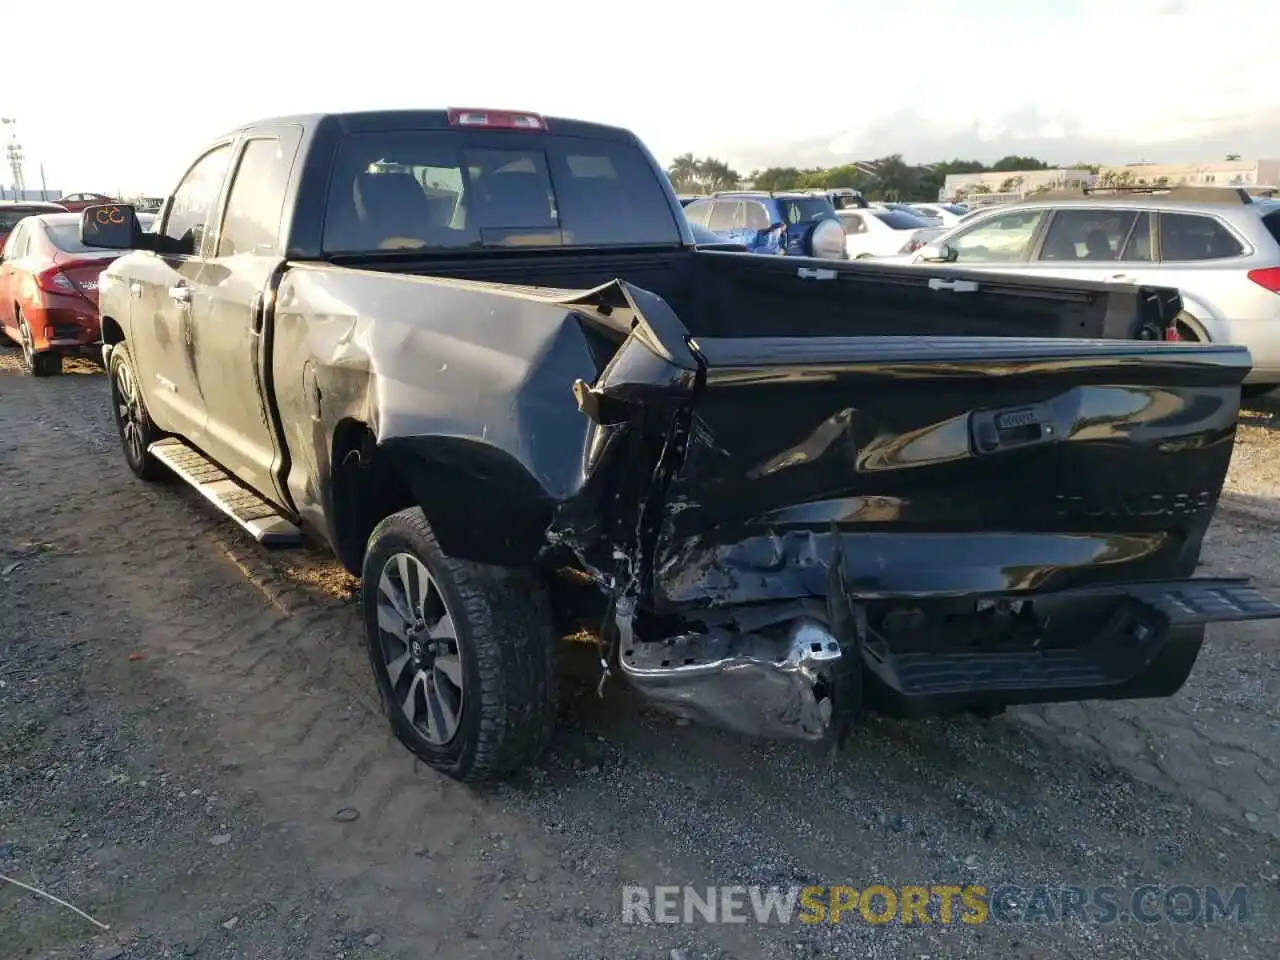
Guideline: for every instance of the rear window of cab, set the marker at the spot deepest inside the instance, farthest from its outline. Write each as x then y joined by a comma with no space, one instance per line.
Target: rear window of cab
442,191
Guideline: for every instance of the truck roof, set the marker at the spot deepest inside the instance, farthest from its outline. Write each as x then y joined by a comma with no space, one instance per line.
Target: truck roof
383,120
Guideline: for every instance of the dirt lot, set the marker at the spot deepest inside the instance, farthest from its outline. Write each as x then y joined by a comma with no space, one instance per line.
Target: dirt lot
183,716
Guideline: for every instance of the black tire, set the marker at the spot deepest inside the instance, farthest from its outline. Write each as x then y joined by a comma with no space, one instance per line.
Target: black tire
46,363
502,633
131,414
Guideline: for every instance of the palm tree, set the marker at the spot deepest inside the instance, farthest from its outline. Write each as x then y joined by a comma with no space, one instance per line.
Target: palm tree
684,173
717,175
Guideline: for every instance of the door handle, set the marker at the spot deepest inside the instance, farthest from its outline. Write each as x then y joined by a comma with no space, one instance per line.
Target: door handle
135,288
180,294
957,286
1121,278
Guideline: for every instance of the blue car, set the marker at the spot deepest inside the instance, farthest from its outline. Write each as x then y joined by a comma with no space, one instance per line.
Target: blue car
787,224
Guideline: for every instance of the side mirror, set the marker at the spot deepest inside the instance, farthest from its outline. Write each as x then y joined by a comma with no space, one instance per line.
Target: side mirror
110,226
937,253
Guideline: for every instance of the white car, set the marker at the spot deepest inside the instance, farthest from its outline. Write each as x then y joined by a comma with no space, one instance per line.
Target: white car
948,214
1218,248
874,232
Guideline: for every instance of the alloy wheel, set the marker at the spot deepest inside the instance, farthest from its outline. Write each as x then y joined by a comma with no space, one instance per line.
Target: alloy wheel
128,411
419,644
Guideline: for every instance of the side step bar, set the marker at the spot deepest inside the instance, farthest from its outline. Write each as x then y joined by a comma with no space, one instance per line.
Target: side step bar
259,518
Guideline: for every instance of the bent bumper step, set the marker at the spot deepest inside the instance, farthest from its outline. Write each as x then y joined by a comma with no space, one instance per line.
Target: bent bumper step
1147,650
1194,602
256,516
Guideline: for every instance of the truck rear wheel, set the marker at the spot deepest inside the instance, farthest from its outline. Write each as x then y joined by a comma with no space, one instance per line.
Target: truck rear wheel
464,654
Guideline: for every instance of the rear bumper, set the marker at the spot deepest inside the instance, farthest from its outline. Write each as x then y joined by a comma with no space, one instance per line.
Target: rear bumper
66,325
1131,641
1143,644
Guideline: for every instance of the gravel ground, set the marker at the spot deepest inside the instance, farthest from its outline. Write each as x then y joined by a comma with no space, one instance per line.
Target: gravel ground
191,752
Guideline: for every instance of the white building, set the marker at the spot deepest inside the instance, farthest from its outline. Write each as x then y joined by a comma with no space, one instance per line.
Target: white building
1223,173
959,185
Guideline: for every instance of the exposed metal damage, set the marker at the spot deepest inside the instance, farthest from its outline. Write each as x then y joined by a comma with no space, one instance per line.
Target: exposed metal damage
768,583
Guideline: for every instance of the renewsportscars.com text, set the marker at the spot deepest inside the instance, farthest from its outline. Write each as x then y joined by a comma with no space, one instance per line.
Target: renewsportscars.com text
938,903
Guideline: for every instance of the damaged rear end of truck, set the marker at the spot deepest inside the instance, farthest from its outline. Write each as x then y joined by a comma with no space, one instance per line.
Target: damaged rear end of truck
790,531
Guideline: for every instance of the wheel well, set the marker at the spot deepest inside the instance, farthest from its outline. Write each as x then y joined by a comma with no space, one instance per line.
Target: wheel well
367,488
1189,329
111,332
481,503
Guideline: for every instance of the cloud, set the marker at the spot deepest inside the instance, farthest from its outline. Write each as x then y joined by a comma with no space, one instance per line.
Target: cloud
1025,131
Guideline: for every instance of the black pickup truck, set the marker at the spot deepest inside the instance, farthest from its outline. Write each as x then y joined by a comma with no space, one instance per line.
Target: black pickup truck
480,354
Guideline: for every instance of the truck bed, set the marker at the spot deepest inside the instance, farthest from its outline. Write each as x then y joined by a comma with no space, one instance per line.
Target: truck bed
719,294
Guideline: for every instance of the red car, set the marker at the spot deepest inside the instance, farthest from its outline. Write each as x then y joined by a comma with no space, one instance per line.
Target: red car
49,291
75,202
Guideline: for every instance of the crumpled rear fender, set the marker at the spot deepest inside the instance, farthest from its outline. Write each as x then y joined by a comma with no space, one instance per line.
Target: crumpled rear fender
469,388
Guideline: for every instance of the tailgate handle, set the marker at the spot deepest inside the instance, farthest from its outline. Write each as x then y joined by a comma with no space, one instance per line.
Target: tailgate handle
993,430
815,273
956,286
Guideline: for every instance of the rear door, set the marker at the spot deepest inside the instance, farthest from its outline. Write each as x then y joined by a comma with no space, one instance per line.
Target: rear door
230,296
1197,252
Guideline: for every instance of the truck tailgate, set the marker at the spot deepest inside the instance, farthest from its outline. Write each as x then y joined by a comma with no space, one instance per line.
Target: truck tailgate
945,466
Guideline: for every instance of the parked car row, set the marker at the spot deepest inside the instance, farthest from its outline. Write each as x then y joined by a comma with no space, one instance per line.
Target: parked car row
49,282
1220,247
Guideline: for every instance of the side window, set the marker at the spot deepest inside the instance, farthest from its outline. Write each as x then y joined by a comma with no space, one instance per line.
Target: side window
192,205
853,223
724,215
1138,247
1005,238
16,246
699,211
1189,236
757,216
251,223
1087,235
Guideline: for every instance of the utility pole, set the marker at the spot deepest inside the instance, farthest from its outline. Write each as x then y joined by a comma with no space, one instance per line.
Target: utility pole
13,150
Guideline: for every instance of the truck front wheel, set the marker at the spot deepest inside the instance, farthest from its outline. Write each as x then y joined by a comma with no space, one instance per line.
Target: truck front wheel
133,423
464,654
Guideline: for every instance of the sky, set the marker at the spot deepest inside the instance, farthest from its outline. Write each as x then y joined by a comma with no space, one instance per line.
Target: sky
755,84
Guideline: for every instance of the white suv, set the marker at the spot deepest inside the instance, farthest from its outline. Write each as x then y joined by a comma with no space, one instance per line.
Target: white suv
1219,247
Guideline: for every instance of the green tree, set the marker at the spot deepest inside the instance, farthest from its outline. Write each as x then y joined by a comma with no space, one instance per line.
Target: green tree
717,175
690,175
776,178
684,173
1013,163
